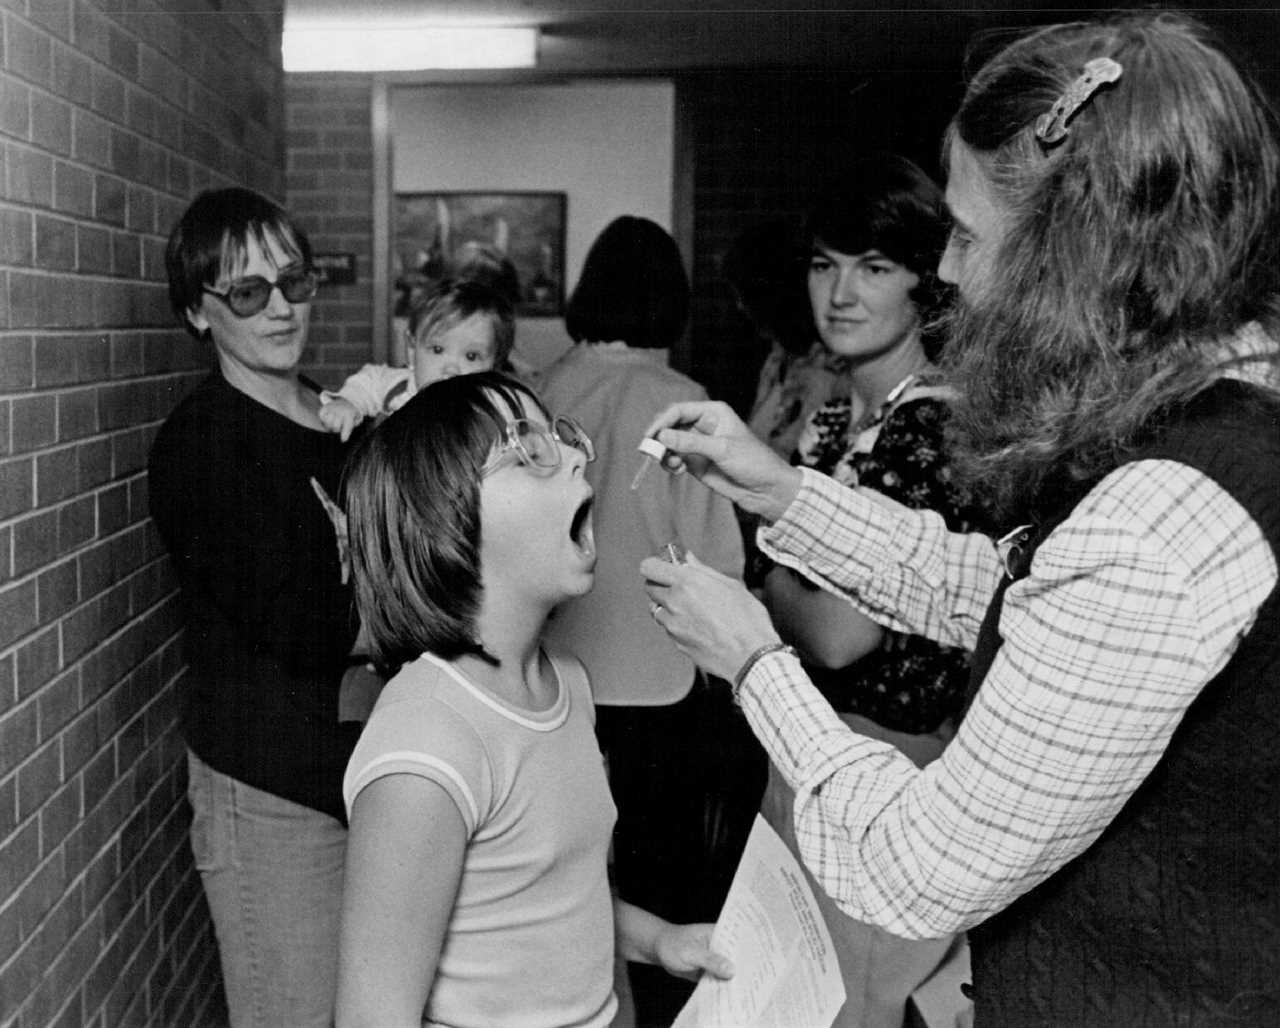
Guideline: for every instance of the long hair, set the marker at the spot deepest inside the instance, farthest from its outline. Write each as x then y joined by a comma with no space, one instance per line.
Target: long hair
632,288
887,203
1129,252
412,494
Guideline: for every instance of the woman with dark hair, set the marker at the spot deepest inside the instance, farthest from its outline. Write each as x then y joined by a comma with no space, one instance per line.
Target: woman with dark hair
1105,820
476,889
240,479
765,269
875,239
682,814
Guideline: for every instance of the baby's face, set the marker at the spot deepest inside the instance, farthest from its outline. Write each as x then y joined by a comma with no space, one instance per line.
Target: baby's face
462,348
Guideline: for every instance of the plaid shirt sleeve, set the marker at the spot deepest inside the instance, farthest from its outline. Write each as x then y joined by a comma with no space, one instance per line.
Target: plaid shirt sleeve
899,566
1131,606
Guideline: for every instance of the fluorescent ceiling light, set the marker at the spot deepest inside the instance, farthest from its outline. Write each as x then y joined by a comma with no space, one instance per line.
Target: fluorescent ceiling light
359,46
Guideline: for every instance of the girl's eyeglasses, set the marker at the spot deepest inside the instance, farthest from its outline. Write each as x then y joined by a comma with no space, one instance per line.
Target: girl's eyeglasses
538,446
249,296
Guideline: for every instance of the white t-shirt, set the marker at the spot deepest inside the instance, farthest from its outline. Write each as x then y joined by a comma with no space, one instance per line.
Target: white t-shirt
530,940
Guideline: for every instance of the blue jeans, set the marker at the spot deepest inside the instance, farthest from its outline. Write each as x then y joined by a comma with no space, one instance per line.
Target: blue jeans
272,873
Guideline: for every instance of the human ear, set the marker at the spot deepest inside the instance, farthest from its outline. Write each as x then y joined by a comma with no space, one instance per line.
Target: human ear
195,315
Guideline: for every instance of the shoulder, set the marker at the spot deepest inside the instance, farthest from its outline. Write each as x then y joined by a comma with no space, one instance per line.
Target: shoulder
202,425
1162,513
418,728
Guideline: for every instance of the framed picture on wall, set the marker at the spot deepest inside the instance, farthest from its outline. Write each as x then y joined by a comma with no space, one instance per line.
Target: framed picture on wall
435,235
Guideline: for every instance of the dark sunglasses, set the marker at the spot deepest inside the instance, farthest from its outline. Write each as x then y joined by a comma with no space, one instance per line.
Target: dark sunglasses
249,296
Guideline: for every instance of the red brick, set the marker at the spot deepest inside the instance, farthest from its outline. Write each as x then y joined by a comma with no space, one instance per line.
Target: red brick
56,591
55,475
35,541
44,301
72,75
91,138
89,29
140,209
108,93
54,15
72,189
76,524
127,351
17,618
37,779
126,254
38,661
122,52
60,814
55,243
28,52
50,123
93,463
124,153
15,109
16,237
113,508
35,421
19,856
77,414
17,489
30,175
109,199
93,250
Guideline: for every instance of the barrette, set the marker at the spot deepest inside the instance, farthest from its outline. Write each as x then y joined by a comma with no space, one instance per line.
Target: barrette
1051,127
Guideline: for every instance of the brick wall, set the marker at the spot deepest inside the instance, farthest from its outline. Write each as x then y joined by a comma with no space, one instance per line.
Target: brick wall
329,183
111,117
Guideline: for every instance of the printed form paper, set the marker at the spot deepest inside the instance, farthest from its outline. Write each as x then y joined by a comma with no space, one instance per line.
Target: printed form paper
785,968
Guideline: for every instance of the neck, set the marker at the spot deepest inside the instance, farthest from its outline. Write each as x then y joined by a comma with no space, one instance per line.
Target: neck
512,632
283,393
875,378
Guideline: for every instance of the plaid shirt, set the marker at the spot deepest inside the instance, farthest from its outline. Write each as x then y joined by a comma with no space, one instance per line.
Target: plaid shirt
1131,606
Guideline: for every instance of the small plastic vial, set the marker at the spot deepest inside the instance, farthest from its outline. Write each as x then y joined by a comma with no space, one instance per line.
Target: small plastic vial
653,452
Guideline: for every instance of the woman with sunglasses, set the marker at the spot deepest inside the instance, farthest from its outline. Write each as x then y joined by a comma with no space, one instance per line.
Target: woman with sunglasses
237,475
476,886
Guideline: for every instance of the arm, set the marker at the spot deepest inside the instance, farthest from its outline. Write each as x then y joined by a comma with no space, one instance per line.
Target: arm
404,862
1131,607
900,567
683,950
367,389
826,629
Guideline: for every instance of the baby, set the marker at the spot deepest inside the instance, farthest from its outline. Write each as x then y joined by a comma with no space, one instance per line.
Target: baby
462,326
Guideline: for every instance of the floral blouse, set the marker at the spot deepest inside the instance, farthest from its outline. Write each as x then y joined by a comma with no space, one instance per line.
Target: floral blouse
790,388
909,683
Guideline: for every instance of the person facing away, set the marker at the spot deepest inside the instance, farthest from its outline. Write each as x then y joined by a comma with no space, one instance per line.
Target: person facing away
676,821
232,483
765,269
461,326
476,890
1104,821
875,237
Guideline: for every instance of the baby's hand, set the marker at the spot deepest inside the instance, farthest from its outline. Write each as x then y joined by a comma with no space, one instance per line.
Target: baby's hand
341,416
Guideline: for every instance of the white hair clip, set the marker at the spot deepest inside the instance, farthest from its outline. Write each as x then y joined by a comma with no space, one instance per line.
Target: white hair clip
1051,127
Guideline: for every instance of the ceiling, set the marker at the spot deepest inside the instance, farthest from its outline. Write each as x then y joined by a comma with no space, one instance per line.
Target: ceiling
642,36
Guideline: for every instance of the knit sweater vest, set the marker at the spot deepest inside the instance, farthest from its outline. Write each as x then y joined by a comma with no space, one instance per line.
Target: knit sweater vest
1171,919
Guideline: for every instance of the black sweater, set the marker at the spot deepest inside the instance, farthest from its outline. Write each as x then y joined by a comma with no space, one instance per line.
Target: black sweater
269,622
1172,917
